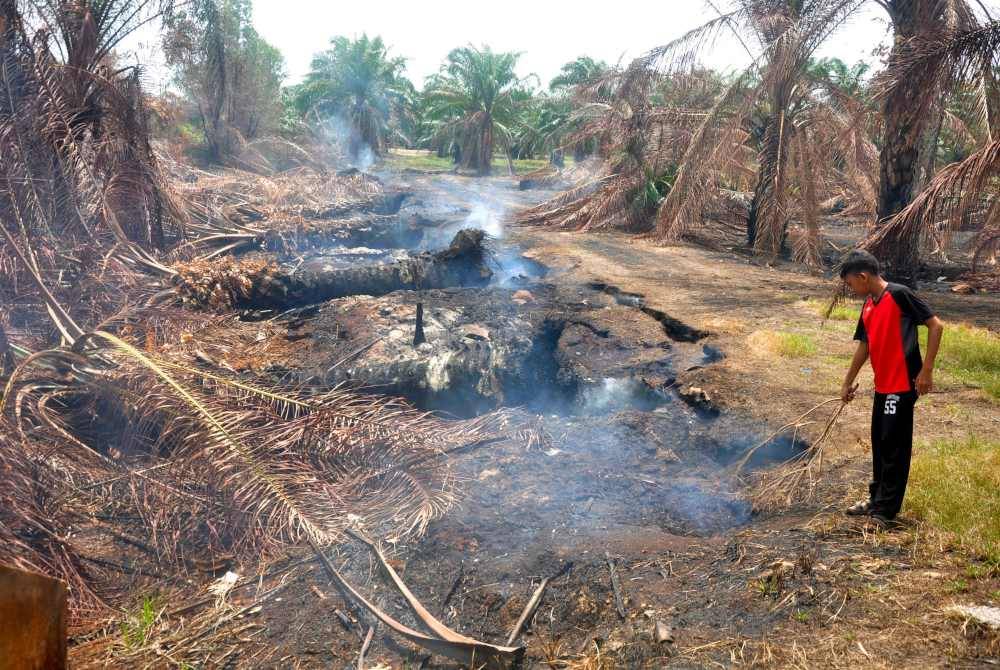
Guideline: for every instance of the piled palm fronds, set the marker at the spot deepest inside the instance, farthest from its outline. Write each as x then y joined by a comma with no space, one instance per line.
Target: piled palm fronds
226,283
204,464
300,208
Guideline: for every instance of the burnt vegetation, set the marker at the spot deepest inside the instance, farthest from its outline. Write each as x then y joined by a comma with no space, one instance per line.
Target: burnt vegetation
226,344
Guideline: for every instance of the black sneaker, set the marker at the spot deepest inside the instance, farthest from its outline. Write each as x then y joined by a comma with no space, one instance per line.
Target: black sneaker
863,508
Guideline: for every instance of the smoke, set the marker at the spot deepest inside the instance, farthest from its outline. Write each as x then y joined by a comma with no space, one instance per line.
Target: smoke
488,217
614,394
342,134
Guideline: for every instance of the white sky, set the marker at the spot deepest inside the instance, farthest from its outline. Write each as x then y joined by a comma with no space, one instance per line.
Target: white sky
547,33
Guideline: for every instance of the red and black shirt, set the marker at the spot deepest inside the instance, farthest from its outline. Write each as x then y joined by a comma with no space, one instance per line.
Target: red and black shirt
888,324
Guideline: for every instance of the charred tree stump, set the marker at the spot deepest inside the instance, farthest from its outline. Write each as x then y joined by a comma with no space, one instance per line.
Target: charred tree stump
418,332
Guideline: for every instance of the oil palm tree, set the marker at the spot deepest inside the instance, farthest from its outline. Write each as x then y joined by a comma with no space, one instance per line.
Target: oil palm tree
358,82
908,113
580,72
673,161
965,59
476,97
788,32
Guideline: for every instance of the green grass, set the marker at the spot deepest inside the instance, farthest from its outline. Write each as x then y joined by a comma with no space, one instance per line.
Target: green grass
429,162
786,344
843,311
969,355
955,487
138,623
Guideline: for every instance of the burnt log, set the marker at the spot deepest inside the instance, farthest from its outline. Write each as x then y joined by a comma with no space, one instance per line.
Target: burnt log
227,284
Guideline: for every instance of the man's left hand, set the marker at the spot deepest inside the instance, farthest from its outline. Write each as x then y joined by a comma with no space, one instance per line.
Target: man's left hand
925,382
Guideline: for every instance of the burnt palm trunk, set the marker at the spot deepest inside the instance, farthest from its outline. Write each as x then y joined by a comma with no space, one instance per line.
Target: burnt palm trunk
903,132
767,225
463,263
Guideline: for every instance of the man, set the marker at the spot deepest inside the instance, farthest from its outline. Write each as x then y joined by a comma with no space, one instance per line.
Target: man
887,333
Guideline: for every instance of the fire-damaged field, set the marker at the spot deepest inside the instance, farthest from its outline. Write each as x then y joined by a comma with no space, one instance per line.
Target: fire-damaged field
606,517
291,377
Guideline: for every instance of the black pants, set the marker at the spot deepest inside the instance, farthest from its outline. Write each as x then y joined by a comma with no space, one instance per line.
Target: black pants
892,444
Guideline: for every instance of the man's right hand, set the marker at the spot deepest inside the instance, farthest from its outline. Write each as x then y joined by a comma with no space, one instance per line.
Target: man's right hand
847,392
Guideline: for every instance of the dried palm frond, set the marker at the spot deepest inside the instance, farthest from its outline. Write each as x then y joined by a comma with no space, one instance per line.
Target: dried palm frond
958,190
673,168
82,195
33,529
951,196
287,465
106,442
918,67
237,210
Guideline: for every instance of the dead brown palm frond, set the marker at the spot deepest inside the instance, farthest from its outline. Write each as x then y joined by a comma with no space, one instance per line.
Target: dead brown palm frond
704,153
958,56
796,478
35,525
682,207
82,198
298,208
287,465
806,249
951,196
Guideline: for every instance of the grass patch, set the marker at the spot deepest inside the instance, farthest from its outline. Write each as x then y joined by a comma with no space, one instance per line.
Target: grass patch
788,345
969,355
138,622
955,487
843,311
429,161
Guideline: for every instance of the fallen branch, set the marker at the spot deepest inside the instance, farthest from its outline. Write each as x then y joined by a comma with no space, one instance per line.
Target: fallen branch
616,587
791,424
440,639
364,647
788,481
532,606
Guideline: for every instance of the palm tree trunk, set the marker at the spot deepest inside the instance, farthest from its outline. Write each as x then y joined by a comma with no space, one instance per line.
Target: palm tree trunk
767,224
485,157
899,158
928,146
510,161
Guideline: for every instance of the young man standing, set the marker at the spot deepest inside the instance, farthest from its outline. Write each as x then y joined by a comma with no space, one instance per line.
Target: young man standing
887,333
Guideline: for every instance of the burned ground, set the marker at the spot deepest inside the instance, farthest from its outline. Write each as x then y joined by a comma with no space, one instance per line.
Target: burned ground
634,368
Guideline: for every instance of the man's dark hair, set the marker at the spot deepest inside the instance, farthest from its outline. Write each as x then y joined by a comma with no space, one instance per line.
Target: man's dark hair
859,261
